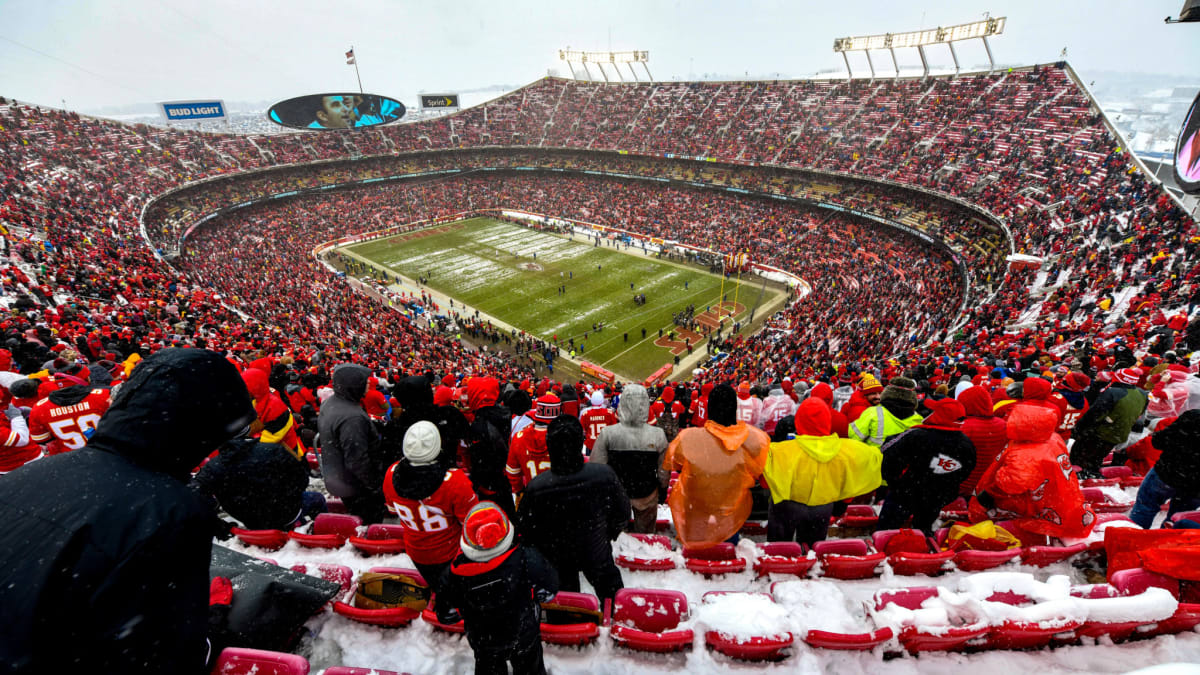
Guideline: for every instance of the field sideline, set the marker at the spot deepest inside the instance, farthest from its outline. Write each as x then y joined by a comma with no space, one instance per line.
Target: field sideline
514,274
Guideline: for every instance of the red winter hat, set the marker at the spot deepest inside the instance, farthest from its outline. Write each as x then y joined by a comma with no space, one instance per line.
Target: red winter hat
448,380
1128,376
1075,381
486,532
946,413
1035,389
547,408
668,395
444,395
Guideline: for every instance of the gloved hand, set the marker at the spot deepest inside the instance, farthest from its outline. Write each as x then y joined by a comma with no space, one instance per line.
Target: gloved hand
220,592
12,412
543,595
447,615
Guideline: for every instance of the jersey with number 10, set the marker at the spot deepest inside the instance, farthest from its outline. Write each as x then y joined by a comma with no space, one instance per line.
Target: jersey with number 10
63,427
433,525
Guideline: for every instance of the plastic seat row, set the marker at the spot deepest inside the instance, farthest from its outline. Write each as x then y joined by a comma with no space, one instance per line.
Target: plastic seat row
331,530
243,661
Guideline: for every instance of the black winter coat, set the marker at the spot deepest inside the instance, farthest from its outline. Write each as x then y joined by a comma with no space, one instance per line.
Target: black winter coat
260,484
496,598
488,451
1179,464
927,463
104,553
349,444
574,516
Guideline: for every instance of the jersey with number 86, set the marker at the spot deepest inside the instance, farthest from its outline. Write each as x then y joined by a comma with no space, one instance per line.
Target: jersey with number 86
66,422
433,525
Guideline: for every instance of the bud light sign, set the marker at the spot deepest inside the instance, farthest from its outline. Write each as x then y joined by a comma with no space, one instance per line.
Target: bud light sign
187,111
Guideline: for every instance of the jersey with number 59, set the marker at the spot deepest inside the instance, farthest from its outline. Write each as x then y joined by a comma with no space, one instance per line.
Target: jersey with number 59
433,523
65,419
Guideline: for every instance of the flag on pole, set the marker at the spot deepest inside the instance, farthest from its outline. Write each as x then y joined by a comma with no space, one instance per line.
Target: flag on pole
350,57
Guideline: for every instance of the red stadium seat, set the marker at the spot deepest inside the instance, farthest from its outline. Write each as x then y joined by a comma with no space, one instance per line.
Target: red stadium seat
922,561
783,557
380,540
713,560
649,564
847,558
576,633
270,540
753,648
391,617
648,620
329,530
243,661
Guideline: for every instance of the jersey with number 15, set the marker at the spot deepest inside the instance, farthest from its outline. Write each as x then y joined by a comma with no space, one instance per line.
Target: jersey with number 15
433,525
64,421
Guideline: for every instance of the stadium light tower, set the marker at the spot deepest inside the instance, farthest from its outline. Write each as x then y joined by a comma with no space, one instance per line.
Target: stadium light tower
976,30
614,59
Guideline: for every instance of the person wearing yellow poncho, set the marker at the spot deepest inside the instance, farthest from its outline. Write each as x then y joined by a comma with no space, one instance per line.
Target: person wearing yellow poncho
810,472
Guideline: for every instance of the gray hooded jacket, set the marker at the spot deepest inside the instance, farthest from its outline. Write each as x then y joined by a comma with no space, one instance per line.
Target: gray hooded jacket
633,448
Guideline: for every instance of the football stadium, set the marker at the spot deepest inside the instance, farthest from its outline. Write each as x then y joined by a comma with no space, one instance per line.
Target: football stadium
884,371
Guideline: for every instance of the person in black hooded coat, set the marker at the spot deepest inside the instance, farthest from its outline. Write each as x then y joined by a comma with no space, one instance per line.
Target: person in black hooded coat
416,404
572,512
350,459
104,555
260,484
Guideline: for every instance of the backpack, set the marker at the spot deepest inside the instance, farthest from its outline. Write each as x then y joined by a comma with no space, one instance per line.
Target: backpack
378,590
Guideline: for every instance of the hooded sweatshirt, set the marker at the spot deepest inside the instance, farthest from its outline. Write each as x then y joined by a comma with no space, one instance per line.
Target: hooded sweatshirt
717,467
349,444
838,423
487,443
986,432
817,467
111,532
631,447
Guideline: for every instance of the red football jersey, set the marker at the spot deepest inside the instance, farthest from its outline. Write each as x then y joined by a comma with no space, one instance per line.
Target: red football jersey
432,526
67,427
527,457
593,420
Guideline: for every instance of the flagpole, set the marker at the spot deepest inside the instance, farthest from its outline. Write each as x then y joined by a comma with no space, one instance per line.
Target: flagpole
356,75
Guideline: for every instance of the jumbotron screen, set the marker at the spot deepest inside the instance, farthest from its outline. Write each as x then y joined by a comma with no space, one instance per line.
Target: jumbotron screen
1187,151
336,111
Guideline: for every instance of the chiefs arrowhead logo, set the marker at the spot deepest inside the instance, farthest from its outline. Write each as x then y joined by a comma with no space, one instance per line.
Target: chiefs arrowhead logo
1039,491
943,464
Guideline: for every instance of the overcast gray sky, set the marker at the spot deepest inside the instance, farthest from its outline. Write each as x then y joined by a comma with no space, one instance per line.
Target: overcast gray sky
95,53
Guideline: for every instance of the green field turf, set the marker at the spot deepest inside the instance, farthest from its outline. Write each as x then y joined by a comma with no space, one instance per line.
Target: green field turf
483,262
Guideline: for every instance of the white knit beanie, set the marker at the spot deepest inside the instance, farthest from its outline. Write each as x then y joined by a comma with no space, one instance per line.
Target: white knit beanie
422,444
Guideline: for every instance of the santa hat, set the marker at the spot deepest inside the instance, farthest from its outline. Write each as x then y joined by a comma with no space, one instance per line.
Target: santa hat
486,532
547,408
1128,376
870,385
422,443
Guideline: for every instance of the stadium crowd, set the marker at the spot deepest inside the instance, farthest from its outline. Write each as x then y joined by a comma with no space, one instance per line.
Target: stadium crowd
1090,342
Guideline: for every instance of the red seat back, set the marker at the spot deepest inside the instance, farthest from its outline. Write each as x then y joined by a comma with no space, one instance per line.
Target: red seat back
382,531
908,598
342,524
243,661
651,610
841,547
1135,581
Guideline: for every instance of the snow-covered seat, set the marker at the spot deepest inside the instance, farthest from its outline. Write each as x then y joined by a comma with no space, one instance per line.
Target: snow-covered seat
783,557
714,560
847,558
244,661
648,620
380,539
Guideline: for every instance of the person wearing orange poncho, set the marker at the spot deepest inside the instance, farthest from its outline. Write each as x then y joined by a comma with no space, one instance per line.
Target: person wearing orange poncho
1033,478
717,464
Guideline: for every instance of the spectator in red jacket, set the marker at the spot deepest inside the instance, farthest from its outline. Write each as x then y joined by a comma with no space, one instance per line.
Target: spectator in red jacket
864,397
986,431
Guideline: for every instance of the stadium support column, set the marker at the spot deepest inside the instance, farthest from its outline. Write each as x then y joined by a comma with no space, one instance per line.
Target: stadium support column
573,75
870,63
632,71
894,63
954,55
924,62
647,68
991,61
849,70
